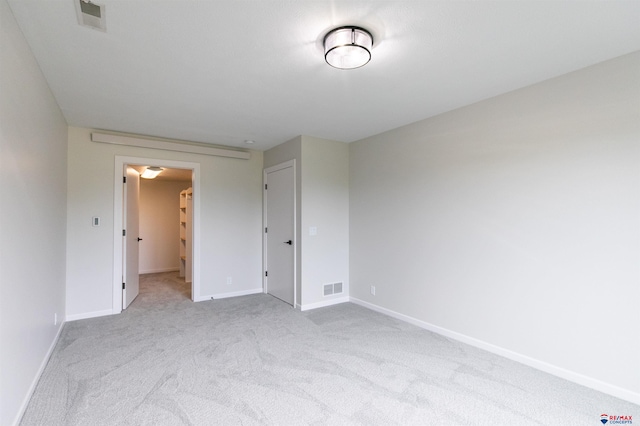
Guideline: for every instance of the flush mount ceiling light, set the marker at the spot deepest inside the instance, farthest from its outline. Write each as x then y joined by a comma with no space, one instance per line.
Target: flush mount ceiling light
348,47
151,172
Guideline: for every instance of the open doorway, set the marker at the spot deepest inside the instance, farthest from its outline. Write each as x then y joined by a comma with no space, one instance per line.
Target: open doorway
165,226
161,237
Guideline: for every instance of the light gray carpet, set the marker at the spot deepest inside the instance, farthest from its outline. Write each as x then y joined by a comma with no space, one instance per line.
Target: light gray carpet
255,360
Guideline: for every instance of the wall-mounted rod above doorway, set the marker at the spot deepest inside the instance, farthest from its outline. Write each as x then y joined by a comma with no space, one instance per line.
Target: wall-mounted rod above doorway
168,145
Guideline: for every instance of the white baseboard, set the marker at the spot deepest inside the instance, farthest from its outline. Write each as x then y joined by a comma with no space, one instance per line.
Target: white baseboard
324,303
158,270
572,376
230,294
86,315
36,379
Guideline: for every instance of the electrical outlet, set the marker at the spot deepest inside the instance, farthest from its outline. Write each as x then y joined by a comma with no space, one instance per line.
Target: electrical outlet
229,280
55,319
373,290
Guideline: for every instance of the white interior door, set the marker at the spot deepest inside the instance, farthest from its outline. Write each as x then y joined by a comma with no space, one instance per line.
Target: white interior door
130,268
280,232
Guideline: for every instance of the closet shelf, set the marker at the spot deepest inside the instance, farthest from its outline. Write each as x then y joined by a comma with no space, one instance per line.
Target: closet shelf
186,230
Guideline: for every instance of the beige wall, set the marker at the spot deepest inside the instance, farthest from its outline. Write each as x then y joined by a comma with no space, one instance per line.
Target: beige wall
231,221
33,143
515,222
325,206
160,225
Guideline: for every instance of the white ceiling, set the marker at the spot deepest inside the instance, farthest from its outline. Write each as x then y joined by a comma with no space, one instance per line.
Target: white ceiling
222,72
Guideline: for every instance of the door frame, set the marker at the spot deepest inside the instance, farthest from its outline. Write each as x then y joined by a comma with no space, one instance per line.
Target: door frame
265,172
118,220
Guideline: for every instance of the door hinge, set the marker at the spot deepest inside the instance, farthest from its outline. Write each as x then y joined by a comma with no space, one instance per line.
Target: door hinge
124,232
124,179
265,230
266,274
265,186
123,286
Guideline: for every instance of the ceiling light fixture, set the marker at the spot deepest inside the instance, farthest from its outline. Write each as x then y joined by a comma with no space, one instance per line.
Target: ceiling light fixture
151,172
348,47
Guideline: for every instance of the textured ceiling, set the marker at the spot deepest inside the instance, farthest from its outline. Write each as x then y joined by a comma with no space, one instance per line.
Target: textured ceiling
224,71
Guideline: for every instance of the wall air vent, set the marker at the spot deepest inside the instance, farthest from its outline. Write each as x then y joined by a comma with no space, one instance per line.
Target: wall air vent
91,15
329,289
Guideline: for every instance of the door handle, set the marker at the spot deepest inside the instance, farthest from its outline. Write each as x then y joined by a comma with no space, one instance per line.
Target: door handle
139,239
289,242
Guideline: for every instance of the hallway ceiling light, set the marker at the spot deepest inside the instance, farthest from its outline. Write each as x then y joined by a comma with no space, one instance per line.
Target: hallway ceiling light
151,172
348,47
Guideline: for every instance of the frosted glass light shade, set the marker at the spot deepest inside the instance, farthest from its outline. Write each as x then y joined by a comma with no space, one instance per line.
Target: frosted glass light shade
151,172
348,47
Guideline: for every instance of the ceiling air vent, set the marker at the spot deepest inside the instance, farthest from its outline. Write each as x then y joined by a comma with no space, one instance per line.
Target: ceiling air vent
91,15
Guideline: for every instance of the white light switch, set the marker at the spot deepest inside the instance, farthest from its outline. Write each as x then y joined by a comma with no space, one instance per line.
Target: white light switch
313,230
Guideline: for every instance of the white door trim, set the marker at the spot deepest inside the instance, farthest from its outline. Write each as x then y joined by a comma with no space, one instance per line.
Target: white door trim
265,172
118,191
